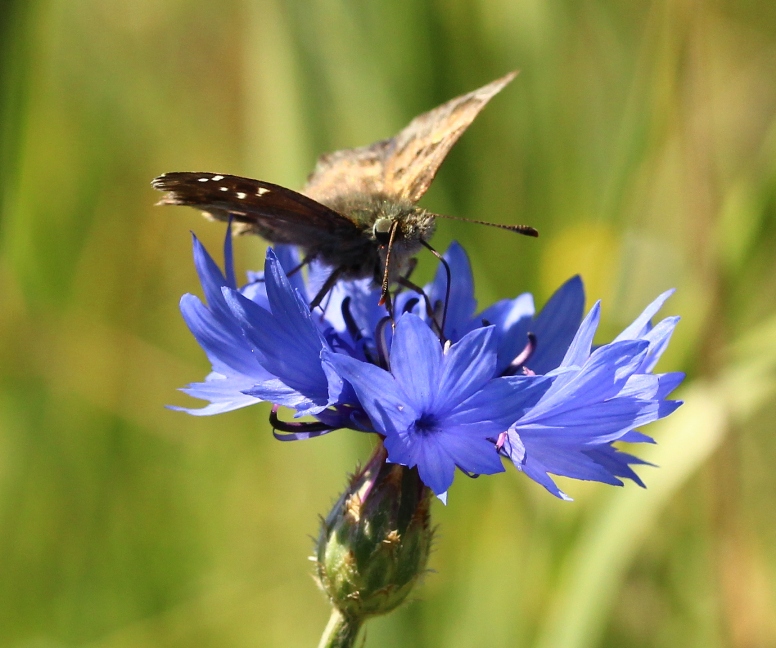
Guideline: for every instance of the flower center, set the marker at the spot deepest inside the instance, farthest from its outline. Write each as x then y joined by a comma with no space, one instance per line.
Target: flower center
426,425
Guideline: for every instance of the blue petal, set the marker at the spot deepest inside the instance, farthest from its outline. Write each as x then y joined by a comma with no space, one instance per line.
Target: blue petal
210,276
643,386
287,342
468,365
596,422
668,382
534,469
605,373
556,325
513,319
499,404
435,466
288,257
472,453
617,463
286,303
377,391
225,394
299,436
277,392
221,338
363,306
641,325
416,361
666,407
317,275
568,461
340,391
634,436
255,290
580,348
436,455
658,339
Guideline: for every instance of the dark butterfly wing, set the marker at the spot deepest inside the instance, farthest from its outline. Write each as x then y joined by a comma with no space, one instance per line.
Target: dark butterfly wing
404,166
278,214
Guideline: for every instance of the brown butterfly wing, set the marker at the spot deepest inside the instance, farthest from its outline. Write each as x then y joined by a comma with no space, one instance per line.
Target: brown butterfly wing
278,214
419,150
349,172
404,166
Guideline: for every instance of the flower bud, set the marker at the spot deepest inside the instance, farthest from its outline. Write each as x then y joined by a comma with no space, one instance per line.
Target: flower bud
374,544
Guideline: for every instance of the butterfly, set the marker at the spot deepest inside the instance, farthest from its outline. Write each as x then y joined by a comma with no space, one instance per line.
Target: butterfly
358,212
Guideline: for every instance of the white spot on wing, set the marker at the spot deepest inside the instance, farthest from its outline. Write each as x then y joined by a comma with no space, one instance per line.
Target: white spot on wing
202,179
224,188
241,195
261,191
216,178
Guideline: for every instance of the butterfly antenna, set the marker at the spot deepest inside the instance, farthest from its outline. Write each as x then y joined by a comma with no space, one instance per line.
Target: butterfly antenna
527,230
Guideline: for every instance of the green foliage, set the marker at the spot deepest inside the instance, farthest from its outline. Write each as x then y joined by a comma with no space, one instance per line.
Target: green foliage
639,138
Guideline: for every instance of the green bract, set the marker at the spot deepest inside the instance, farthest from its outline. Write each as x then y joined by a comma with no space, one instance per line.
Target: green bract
374,545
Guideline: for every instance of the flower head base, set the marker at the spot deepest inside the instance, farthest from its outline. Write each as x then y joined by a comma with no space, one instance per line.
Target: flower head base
373,546
443,386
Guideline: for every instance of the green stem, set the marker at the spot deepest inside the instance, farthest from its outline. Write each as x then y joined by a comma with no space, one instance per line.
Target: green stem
340,632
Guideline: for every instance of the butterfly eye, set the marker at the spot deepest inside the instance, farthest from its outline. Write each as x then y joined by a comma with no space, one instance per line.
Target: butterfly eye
382,230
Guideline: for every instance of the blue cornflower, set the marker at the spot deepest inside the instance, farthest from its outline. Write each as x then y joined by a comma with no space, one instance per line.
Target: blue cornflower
438,408
506,382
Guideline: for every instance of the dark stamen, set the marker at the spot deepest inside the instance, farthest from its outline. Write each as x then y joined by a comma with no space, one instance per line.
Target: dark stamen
355,332
313,428
518,364
411,303
381,341
350,322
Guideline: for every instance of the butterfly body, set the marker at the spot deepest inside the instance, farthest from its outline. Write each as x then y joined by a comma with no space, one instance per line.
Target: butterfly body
414,224
357,212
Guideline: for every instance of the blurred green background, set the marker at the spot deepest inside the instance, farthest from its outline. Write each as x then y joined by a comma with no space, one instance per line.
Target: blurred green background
640,138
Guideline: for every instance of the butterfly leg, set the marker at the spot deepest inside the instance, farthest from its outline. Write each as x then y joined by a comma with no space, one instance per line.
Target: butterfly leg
301,265
327,286
446,265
